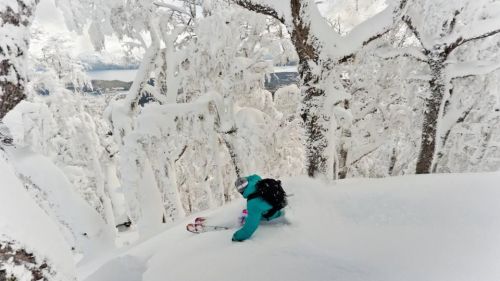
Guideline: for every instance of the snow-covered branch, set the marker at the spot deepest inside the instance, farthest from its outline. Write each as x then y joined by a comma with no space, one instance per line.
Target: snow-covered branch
449,121
172,7
409,23
479,31
260,8
145,68
408,52
373,28
466,69
370,150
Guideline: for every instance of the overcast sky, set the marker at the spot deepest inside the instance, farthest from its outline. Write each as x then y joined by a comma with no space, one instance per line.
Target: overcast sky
50,19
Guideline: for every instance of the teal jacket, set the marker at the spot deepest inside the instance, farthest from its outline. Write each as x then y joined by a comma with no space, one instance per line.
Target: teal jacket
256,207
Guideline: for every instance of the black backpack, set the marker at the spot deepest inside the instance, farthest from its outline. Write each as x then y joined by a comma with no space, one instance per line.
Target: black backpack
272,192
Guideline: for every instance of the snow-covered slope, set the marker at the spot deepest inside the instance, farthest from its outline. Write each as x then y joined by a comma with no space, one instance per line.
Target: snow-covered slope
438,227
22,221
80,225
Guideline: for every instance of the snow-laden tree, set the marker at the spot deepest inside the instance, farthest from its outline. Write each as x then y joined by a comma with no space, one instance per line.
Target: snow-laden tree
219,100
15,20
382,95
319,48
59,126
389,83
71,182
55,122
469,127
55,56
442,28
233,68
289,134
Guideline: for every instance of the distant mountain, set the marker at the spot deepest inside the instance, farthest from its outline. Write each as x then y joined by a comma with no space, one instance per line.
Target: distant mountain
107,61
272,83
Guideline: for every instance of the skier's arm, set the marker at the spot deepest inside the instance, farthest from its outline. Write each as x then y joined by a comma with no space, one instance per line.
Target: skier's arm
251,224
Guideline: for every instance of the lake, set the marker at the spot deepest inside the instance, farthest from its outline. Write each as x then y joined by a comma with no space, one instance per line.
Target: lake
128,75
125,75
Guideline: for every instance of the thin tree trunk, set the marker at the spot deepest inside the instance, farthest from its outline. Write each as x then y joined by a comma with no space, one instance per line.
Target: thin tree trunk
392,164
315,123
228,141
431,116
307,46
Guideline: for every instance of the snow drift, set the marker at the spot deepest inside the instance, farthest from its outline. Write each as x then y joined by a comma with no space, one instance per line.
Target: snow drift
437,227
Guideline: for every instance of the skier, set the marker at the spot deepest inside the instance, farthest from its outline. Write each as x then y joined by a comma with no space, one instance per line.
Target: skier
259,208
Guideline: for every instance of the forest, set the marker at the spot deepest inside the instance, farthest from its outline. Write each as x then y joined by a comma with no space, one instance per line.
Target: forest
396,90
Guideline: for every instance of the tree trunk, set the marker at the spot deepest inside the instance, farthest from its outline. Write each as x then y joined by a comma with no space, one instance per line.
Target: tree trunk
14,31
308,49
431,116
392,164
315,120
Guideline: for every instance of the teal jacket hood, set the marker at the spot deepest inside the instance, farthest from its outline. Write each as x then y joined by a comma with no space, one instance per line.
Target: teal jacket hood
252,185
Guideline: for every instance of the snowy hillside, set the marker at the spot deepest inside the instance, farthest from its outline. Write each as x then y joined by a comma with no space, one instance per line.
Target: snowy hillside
98,179
437,227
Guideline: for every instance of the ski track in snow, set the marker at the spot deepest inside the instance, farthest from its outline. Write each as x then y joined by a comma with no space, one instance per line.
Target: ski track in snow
438,227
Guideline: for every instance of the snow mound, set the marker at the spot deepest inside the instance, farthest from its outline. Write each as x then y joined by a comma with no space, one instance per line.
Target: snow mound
437,227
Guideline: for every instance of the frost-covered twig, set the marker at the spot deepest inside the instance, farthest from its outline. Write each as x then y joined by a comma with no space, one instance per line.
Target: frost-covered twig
172,7
407,52
370,151
180,154
467,69
480,31
373,28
